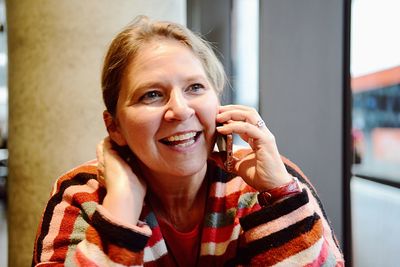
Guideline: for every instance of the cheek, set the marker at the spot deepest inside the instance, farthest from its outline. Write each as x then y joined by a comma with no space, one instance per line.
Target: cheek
138,128
212,107
207,113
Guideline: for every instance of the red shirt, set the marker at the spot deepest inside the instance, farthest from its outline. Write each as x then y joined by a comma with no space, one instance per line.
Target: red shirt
184,247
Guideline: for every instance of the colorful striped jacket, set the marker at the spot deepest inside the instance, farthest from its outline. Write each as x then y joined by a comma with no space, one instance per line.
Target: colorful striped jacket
77,231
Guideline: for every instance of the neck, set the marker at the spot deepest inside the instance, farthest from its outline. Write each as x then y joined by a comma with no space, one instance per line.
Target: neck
173,198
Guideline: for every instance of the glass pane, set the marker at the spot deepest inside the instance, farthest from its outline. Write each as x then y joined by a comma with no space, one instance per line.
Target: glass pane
375,71
245,45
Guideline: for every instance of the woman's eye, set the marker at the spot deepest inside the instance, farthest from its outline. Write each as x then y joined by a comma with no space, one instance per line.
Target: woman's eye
197,87
150,97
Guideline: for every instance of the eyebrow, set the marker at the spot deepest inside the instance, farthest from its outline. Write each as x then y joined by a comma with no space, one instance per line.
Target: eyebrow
143,86
197,77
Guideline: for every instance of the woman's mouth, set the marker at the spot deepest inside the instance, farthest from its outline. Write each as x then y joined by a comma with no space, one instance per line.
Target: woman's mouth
181,140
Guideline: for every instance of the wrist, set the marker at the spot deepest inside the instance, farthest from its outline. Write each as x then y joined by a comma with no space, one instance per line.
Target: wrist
277,182
126,208
271,196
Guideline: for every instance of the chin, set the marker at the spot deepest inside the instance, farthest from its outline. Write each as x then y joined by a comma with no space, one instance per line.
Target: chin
188,167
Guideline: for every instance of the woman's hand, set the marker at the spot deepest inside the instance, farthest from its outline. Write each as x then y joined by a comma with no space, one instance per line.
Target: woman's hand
263,168
125,190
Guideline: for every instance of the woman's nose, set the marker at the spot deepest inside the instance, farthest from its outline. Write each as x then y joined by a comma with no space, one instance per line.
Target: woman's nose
178,107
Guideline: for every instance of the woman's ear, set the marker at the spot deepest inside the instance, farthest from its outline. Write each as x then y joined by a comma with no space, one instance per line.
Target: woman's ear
112,129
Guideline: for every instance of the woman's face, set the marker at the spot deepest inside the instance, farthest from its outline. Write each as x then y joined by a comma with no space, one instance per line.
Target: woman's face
167,108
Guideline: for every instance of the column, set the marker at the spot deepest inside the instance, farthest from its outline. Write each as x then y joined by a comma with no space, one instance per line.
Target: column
56,49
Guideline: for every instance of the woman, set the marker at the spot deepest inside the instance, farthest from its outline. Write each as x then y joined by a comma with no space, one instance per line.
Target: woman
158,195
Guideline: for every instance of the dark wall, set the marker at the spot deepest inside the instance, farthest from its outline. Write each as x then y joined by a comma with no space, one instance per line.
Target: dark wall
301,83
301,95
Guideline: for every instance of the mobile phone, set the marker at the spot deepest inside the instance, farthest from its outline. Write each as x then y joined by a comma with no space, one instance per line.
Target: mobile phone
225,144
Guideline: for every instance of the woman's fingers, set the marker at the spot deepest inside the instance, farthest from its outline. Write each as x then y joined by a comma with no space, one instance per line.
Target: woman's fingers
239,114
100,162
246,131
109,163
236,107
240,127
244,121
263,168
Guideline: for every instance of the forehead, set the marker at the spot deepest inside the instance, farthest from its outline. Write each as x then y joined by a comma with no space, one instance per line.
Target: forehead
161,62
164,54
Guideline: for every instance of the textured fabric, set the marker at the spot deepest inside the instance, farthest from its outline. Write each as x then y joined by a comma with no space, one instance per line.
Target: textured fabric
182,246
77,231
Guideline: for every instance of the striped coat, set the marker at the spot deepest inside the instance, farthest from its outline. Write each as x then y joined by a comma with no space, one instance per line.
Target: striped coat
77,231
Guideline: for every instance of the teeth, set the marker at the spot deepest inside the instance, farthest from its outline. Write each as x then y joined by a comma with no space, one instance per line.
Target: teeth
181,137
186,144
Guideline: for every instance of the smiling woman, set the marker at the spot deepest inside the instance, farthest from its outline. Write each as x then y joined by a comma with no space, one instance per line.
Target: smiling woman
158,194
166,96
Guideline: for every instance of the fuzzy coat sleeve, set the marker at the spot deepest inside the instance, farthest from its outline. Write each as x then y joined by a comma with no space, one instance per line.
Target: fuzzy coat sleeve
294,232
77,231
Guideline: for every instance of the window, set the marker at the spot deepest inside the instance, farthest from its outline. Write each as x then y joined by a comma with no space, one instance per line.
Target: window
375,84
245,45
375,71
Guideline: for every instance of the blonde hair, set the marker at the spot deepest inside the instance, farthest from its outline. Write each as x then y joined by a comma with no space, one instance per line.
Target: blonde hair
126,44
